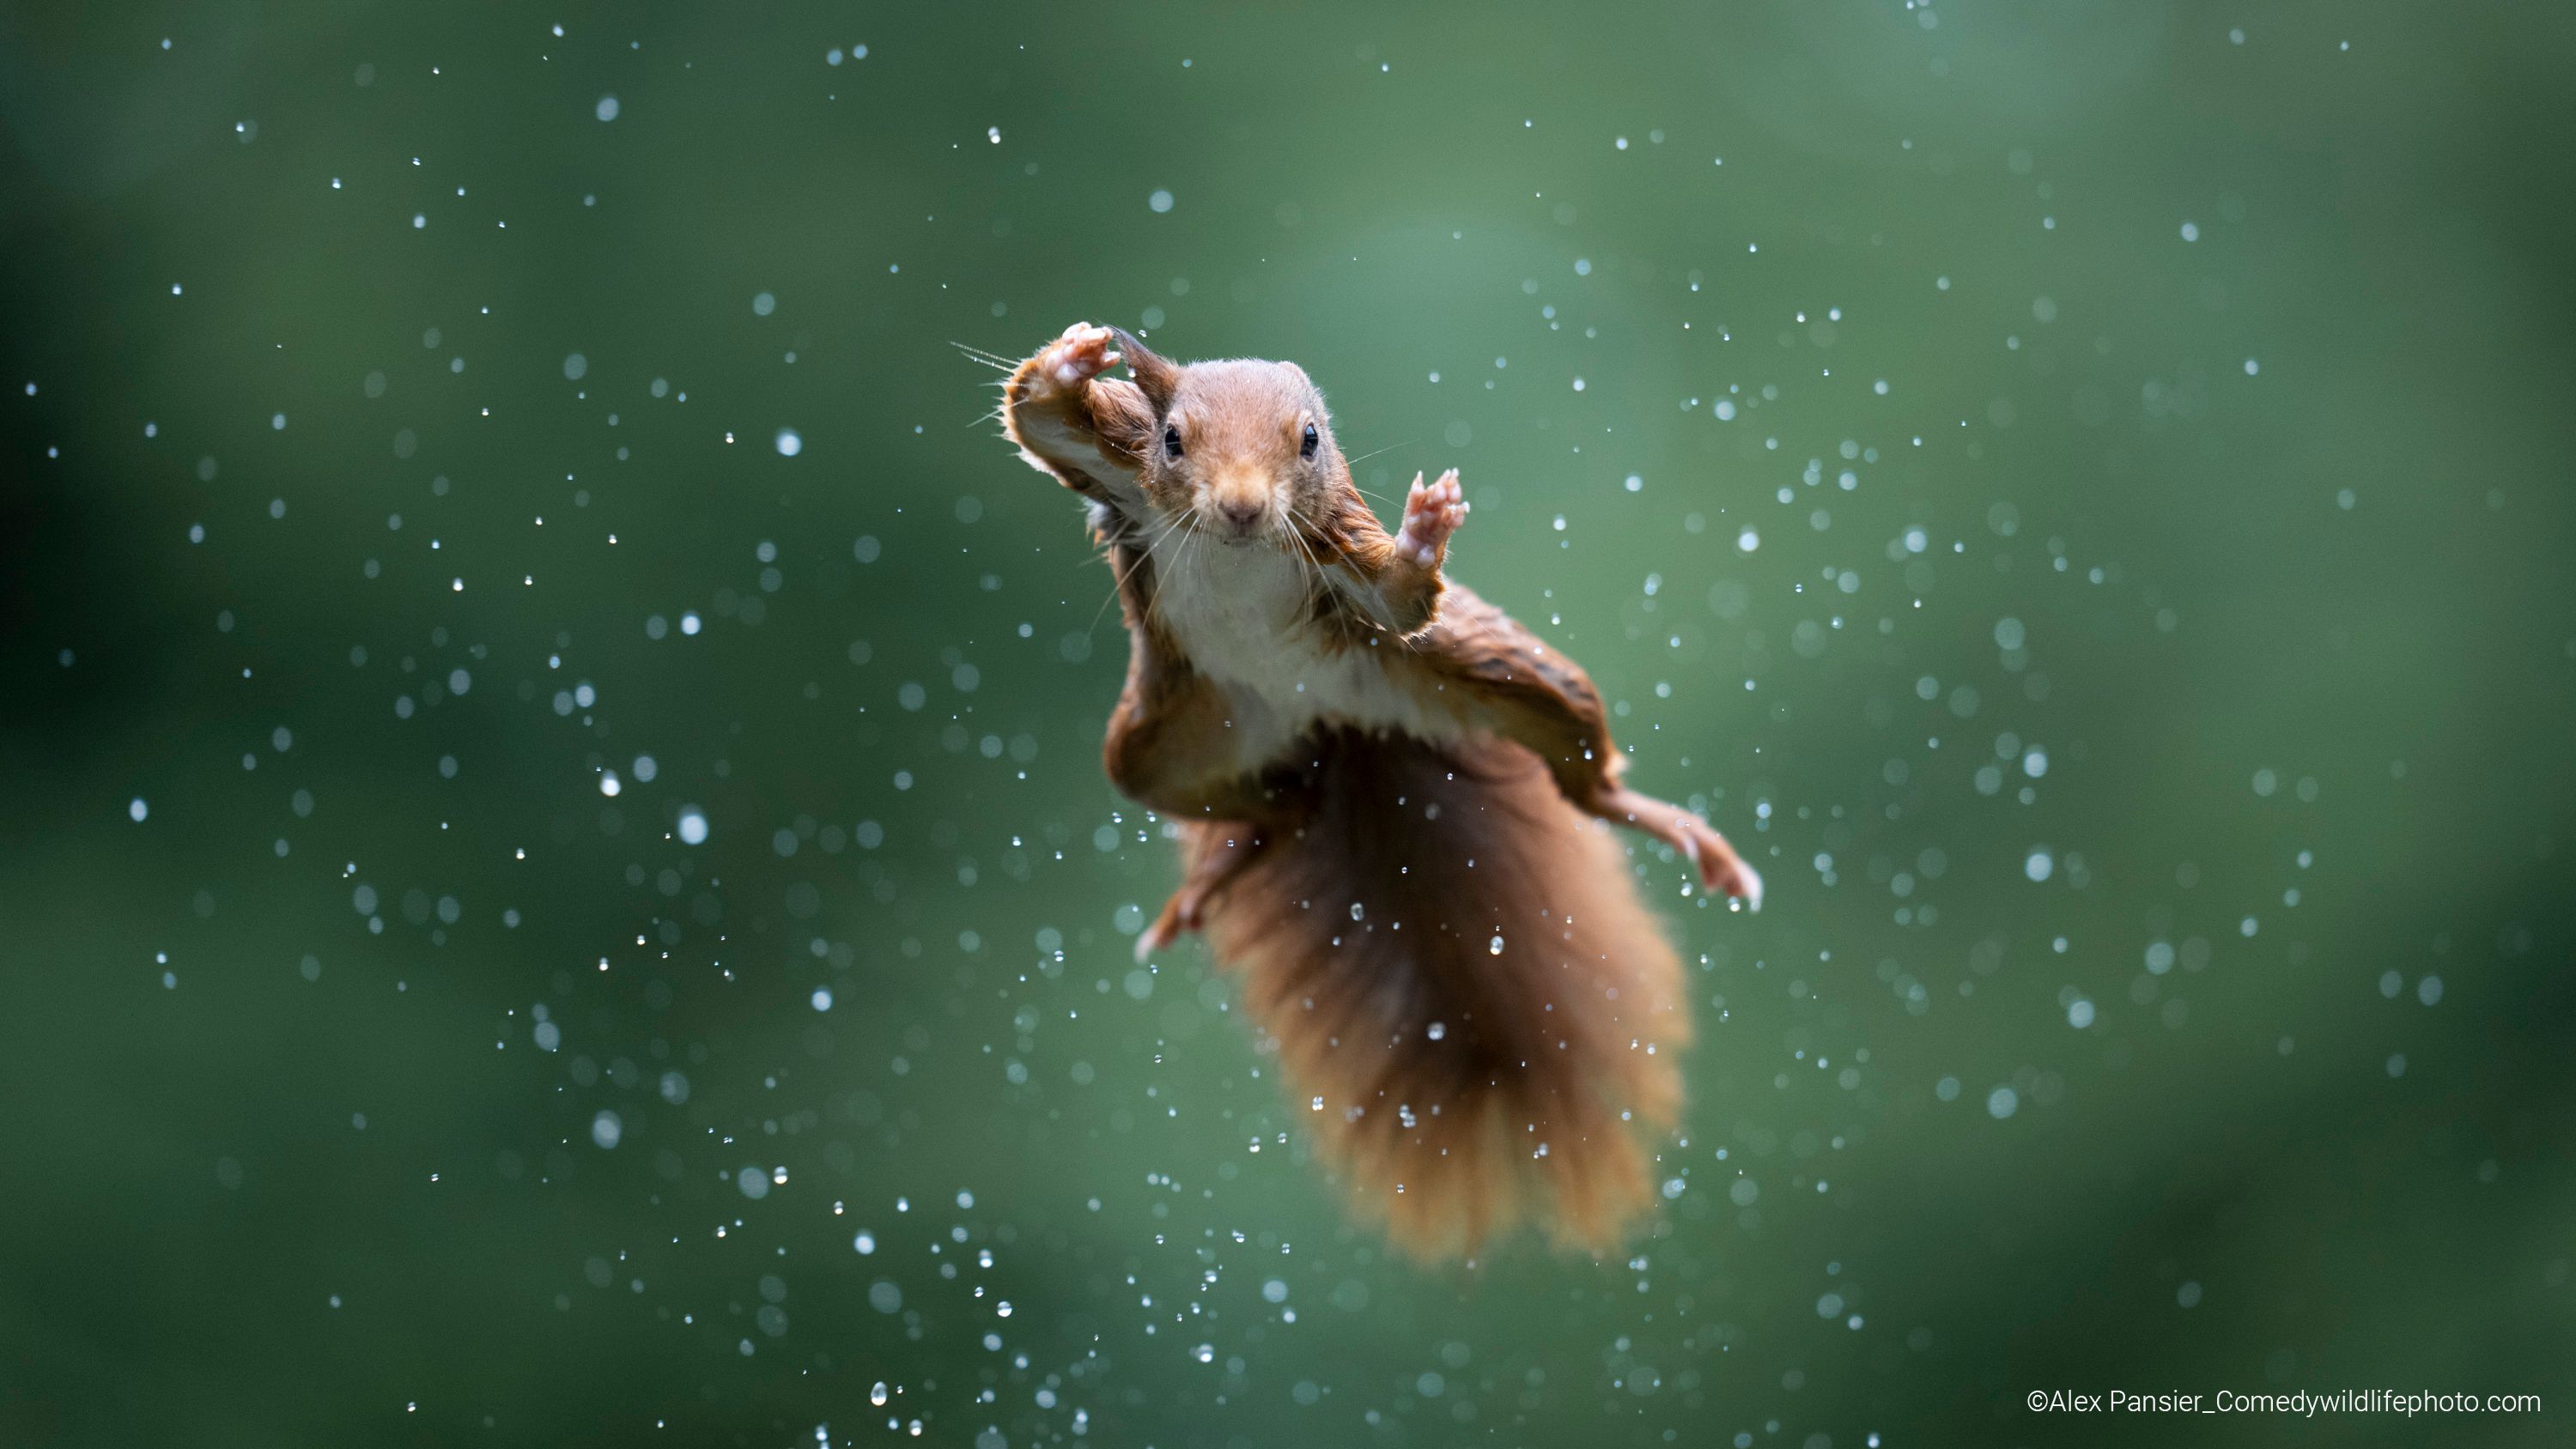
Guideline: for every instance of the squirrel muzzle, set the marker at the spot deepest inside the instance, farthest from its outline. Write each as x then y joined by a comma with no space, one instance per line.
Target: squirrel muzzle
1240,505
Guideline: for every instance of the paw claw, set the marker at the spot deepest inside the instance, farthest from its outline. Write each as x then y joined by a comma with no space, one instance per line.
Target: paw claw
1179,916
1432,512
1719,868
1726,874
1080,353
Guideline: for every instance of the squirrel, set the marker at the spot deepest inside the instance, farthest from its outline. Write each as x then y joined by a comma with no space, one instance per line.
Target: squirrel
1389,799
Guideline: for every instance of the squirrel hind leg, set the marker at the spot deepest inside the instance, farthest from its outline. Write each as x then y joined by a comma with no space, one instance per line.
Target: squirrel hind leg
1213,853
1719,868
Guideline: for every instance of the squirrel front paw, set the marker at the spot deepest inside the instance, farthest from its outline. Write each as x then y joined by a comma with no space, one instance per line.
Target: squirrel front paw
1431,514
1079,355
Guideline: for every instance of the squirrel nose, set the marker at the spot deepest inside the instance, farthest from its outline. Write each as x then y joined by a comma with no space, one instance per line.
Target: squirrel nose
1241,511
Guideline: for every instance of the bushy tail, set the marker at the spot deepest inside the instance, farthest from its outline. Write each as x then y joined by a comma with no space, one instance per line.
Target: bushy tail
1454,964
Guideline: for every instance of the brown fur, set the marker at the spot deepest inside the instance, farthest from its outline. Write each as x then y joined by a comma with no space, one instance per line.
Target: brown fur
1374,918
1555,1059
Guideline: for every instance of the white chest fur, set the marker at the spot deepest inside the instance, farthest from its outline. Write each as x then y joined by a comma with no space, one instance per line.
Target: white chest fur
1240,614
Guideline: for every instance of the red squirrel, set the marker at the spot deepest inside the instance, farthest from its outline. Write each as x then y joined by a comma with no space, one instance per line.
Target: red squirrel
1389,799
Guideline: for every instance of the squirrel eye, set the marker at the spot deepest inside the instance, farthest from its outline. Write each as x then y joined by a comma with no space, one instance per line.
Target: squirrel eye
1171,441
1306,447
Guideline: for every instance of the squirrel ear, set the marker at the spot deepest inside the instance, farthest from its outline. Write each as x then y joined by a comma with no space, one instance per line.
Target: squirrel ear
1156,374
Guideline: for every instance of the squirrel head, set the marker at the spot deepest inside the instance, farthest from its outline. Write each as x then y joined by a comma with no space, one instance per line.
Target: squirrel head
1241,452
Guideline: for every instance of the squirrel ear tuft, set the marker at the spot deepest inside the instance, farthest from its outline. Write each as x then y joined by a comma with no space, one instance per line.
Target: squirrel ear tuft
1158,376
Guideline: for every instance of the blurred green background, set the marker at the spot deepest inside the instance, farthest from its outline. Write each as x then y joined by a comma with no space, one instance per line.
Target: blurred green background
2078,491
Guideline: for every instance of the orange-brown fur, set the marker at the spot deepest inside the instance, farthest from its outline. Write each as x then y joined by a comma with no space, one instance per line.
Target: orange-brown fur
1355,874
1478,1016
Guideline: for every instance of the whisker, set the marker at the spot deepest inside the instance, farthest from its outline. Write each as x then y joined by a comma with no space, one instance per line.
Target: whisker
1119,585
1296,552
1318,575
989,359
1116,586
1169,525
1315,579
1389,448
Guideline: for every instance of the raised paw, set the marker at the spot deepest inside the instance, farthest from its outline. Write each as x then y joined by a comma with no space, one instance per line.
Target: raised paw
1432,512
1079,355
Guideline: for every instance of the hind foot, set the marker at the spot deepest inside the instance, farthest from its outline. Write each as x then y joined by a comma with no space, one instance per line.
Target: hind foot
1720,869
1187,908
1179,917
